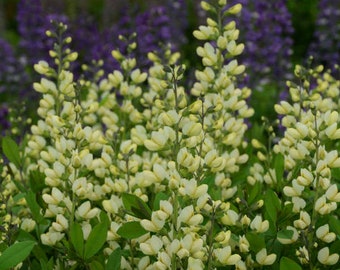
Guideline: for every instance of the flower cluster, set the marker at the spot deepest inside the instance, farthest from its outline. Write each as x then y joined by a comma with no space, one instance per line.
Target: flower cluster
132,170
310,156
325,46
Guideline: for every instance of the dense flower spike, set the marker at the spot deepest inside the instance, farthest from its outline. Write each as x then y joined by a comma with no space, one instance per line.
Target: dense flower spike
311,123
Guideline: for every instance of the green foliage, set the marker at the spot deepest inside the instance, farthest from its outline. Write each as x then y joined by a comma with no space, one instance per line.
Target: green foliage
135,206
11,151
15,254
289,264
131,230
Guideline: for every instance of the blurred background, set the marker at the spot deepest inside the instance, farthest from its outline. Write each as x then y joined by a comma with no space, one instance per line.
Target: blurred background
277,33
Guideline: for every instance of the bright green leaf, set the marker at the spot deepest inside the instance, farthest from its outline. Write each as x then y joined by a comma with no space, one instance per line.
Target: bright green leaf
131,230
96,240
289,264
11,151
77,238
113,263
15,254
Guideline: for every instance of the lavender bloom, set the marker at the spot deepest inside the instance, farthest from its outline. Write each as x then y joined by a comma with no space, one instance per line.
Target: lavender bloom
13,82
325,46
154,29
11,72
32,25
266,29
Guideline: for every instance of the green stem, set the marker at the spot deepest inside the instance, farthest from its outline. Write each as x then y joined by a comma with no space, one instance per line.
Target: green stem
210,240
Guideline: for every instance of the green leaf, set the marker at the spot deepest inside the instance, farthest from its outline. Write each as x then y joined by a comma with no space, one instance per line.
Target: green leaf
77,238
96,240
36,181
272,204
95,265
113,263
334,224
135,206
289,264
255,191
34,206
104,218
131,230
15,254
11,151
279,167
160,196
256,241
285,234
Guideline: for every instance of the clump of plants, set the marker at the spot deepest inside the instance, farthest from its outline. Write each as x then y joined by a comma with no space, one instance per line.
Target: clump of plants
134,171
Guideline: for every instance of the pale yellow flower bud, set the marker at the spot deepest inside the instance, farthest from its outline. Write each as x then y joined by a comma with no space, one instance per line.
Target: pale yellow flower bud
151,246
235,9
303,222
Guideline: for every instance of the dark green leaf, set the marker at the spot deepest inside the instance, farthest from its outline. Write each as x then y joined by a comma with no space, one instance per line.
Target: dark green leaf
15,254
289,264
279,167
113,263
136,206
272,204
255,191
36,181
160,196
131,230
77,238
96,240
334,224
34,206
256,241
167,69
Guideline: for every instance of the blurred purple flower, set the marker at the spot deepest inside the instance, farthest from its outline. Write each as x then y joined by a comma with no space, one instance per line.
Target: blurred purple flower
325,46
266,30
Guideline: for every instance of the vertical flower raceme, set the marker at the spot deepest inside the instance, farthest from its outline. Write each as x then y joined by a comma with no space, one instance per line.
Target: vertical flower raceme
308,146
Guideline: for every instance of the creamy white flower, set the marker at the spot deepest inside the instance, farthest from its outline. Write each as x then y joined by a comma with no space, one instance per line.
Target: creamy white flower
225,257
263,259
258,225
325,258
151,246
323,233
